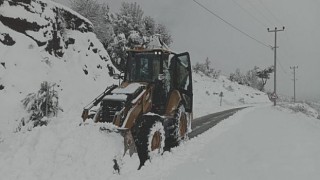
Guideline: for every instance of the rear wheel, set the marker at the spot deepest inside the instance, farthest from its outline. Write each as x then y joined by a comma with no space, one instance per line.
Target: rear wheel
149,137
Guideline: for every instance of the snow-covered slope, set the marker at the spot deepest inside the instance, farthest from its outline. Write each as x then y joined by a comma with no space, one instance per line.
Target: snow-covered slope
207,95
304,108
43,41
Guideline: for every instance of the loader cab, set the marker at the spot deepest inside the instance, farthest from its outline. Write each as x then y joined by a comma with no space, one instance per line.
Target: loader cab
145,66
165,70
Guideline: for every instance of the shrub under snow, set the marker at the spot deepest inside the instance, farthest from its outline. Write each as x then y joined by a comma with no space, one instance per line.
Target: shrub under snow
41,106
303,108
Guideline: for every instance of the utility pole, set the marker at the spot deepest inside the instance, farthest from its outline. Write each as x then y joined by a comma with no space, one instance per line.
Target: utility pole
275,60
294,82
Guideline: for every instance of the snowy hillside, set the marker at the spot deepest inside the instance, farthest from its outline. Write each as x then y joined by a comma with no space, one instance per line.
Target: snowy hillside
43,41
207,95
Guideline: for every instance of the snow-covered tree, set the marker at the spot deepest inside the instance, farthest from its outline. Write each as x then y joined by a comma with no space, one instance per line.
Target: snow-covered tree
131,28
40,107
98,14
165,35
206,69
149,26
120,31
238,77
252,77
117,51
264,75
130,18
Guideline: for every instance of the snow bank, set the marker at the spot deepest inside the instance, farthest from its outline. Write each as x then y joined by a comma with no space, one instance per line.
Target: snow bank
301,108
60,152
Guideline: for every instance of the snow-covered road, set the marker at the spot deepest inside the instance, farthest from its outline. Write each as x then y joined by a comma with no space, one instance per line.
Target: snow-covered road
204,123
256,143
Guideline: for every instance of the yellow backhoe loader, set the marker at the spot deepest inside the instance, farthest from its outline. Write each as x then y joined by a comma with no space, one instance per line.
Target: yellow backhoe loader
152,106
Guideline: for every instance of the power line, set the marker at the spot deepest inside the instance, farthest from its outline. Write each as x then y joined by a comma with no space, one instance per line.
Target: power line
260,12
282,68
245,10
250,14
281,65
231,25
270,12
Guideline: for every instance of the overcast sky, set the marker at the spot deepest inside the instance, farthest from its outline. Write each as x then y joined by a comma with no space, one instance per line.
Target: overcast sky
204,35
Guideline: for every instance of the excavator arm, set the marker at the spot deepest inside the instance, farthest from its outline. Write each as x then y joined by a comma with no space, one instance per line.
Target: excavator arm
96,101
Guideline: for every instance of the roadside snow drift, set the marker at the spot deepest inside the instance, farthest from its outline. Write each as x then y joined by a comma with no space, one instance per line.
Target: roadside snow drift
60,152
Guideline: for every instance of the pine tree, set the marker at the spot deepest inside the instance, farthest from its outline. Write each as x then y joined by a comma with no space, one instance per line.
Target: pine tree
40,107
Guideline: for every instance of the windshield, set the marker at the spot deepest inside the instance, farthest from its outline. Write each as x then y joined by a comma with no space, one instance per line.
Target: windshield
143,67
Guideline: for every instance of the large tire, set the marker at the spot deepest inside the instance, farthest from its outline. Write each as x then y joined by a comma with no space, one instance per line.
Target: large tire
149,137
179,130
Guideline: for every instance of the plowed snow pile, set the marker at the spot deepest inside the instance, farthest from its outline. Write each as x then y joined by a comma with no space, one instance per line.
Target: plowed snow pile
59,152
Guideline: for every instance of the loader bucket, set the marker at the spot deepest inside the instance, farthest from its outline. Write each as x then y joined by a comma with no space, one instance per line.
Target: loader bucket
85,114
128,141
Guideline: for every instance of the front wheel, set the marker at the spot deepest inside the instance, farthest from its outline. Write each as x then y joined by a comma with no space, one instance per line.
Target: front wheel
178,130
149,137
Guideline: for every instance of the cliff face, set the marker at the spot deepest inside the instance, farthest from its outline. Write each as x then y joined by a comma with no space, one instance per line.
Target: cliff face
44,41
44,22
